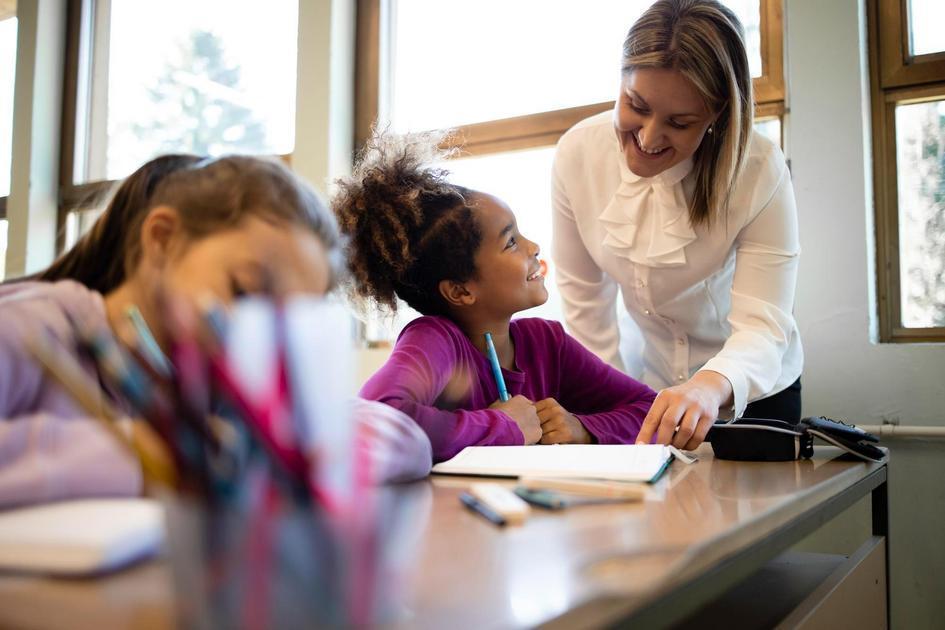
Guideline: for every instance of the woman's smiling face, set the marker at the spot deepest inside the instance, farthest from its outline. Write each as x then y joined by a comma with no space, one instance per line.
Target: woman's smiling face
660,120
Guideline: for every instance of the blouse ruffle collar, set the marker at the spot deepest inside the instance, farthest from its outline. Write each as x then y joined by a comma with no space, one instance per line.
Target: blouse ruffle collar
647,220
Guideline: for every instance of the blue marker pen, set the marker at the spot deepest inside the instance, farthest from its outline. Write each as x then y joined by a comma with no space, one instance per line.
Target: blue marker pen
148,344
496,368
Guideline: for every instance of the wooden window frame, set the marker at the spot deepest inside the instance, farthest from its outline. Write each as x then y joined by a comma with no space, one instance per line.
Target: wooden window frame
896,76
543,128
72,196
3,199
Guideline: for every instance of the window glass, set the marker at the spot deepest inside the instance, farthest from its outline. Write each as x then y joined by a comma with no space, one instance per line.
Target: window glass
770,127
78,223
3,249
514,58
926,18
7,73
920,163
209,77
522,179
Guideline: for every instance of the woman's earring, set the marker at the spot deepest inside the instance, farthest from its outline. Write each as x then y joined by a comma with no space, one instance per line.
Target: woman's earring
709,130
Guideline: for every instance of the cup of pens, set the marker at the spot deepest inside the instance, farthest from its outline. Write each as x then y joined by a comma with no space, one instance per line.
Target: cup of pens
257,560
243,429
277,527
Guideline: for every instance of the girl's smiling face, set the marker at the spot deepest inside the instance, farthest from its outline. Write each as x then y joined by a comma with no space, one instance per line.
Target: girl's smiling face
660,120
508,273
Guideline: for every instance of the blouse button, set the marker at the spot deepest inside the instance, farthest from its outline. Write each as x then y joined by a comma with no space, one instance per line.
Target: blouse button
646,312
641,283
681,341
681,377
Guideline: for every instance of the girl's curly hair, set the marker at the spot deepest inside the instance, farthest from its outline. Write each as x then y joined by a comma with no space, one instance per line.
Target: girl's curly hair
408,228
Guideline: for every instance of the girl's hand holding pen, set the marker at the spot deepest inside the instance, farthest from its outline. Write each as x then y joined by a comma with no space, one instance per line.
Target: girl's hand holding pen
559,426
522,411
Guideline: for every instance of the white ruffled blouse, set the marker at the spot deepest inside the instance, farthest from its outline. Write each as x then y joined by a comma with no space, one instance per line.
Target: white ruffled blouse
717,298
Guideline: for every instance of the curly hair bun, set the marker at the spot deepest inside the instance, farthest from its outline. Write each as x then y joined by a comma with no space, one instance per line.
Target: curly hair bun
408,226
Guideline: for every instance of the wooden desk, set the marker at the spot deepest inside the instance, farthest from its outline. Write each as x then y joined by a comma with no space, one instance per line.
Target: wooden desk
705,528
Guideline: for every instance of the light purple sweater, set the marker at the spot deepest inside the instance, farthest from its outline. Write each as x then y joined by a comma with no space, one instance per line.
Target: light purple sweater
50,449
440,379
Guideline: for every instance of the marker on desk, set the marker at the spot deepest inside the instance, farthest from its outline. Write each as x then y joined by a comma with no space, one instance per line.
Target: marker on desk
496,368
502,501
478,507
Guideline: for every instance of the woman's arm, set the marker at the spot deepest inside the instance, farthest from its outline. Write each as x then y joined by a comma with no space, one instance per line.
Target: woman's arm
762,320
413,379
588,295
749,363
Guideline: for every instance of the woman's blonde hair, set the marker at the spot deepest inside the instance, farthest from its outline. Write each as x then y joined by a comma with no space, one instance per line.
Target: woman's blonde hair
704,41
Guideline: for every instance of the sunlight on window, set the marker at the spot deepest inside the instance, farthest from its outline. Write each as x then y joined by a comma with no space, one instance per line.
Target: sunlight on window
771,128
210,77
78,222
920,162
926,18
3,249
7,73
522,179
515,58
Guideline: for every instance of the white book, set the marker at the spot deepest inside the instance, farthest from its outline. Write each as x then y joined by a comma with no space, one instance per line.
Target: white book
617,462
80,537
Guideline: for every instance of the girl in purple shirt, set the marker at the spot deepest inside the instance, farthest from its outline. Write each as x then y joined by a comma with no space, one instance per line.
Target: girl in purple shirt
456,256
196,227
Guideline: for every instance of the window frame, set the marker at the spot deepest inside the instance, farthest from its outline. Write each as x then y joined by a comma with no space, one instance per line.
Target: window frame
80,28
896,77
540,128
3,199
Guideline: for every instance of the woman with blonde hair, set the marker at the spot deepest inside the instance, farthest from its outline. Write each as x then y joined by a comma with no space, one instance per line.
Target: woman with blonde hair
673,199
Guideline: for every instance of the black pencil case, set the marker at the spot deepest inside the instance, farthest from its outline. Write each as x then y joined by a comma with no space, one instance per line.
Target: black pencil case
768,440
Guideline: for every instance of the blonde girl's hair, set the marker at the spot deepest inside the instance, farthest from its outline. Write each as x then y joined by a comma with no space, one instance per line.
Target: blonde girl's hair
704,41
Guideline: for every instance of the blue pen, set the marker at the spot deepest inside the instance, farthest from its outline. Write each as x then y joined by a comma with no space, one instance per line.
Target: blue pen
148,344
496,368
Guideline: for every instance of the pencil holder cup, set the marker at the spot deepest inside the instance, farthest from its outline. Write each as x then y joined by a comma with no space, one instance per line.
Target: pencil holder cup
246,565
277,563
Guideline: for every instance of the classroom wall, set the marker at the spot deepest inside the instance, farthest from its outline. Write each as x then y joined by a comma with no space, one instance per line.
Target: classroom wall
846,374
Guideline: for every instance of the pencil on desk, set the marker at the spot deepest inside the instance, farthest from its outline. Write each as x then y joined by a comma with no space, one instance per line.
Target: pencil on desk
144,445
587,487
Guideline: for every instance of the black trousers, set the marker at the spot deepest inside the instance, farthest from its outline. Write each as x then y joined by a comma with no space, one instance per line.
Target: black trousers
785,405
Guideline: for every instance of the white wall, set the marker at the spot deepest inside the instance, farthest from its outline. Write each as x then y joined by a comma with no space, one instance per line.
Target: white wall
846,375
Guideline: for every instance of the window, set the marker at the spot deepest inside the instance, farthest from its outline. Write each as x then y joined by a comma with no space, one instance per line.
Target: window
525,72
7,74
907,59
3,248
212,77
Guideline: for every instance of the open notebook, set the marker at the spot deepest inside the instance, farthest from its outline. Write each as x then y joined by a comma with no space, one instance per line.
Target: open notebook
618,462
80,537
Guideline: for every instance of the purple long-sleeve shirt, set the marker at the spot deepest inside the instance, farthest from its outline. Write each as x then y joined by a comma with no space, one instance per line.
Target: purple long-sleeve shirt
50,449
439,378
